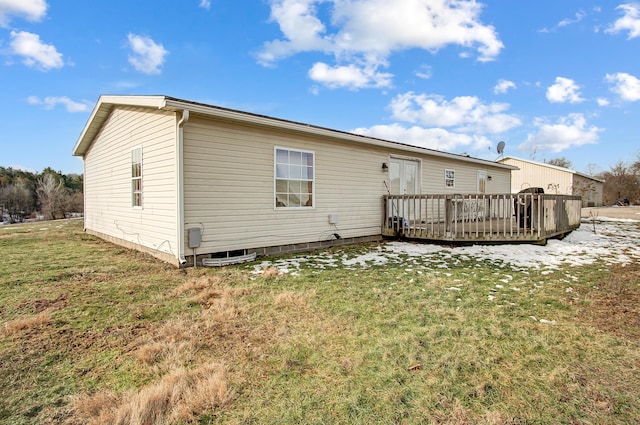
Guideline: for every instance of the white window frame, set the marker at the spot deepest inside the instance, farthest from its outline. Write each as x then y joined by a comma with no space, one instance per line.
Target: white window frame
276,178
451,178
135,178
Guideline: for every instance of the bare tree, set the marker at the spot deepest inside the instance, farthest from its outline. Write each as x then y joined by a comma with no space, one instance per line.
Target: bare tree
51,194
583,188
635,167
74,202
15,202
560,162
592,169
621,182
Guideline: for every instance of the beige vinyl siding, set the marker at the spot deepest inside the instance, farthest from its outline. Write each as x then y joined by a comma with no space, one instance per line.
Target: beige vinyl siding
466,176
229,186
552,180
589,189
107,188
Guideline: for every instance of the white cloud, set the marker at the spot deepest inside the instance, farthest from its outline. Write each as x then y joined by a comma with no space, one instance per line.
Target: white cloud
368,31
147,56
625,85
629,22
349,76
465,113
424,72
301,29
564,90
578,17
35,52
431,138
568,132
602,101
205,4
504,86
448,125
52,102
31,10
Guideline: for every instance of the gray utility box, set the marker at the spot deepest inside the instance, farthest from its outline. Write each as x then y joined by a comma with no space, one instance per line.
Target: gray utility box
194,237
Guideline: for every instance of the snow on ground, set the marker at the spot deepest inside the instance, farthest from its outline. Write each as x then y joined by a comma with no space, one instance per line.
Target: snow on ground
615,241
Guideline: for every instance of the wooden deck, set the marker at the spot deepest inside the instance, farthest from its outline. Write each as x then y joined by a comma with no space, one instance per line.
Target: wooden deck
481,219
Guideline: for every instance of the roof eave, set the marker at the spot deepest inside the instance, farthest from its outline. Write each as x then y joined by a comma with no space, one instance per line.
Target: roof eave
101,112
555,167
106,103
260,120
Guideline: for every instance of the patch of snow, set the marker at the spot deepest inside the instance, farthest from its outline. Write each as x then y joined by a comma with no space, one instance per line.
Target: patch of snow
363,260
614,242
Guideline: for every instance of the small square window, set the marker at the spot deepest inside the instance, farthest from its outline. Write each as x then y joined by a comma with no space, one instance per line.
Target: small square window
449,178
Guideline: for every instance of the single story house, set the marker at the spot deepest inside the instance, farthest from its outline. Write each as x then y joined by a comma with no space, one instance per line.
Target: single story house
555,180
186,181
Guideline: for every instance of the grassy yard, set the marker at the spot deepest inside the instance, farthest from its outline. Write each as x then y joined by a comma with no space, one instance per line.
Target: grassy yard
94,333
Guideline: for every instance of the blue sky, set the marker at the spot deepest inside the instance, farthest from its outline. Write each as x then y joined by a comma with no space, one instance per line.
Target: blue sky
549,78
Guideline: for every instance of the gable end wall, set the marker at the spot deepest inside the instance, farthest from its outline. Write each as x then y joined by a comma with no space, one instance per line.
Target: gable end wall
107,184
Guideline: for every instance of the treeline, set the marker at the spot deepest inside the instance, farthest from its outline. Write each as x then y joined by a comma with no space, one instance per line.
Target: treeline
53,195
622,181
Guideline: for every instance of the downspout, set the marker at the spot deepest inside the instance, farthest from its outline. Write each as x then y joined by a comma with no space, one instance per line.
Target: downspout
180,189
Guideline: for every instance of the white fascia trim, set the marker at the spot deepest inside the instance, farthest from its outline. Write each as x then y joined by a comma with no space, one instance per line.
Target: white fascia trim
101,112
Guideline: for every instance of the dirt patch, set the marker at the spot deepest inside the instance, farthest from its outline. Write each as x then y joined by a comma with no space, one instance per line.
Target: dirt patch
615,305
42,304
631,212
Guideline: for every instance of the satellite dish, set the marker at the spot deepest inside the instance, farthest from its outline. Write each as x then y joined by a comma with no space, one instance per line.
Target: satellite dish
500,148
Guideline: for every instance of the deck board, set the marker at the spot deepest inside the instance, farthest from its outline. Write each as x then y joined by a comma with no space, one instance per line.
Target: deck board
447,222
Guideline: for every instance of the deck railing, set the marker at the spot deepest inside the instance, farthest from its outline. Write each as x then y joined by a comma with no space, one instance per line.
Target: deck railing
481,217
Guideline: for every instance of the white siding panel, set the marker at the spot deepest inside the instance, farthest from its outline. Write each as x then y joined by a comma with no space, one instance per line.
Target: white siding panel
229,186
108,179
552,180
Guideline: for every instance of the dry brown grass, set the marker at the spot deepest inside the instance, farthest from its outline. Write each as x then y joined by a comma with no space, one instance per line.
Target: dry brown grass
203,281
23,323
293,298
206,296
180,396
169,347
270,272
194,285
151,353
223,308
615,306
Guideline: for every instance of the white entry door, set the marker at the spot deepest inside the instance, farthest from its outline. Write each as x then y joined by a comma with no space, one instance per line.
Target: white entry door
404,179
404,176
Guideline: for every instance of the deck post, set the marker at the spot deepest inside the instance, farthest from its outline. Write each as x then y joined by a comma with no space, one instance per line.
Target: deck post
523,217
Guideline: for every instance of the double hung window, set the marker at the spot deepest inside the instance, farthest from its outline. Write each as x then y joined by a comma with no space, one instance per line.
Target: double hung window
294,178
136,177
